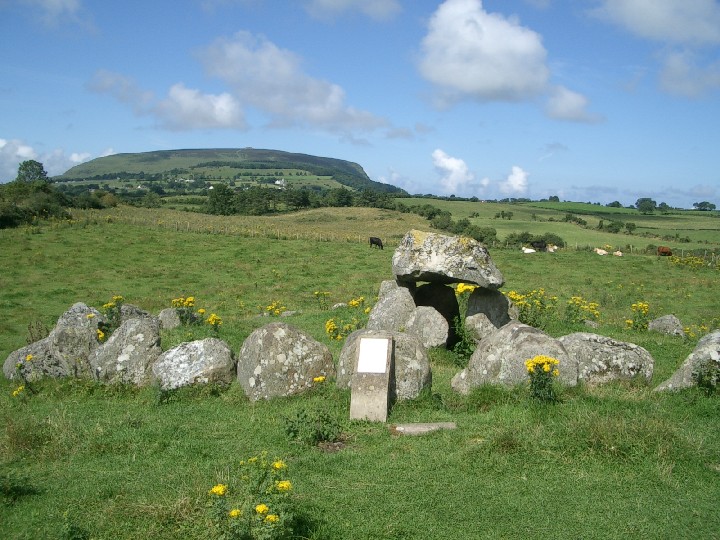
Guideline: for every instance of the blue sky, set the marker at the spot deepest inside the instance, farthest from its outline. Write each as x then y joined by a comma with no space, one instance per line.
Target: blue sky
589,100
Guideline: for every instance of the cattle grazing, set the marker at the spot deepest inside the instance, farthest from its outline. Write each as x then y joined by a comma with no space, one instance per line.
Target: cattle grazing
375,241
664,251
551,248
618,253
600,251
528,250
539,245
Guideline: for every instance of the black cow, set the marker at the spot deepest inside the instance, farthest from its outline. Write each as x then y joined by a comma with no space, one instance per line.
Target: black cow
375,241
539,245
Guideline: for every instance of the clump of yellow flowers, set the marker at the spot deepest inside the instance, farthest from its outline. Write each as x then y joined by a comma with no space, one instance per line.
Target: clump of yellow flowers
255,502
541,370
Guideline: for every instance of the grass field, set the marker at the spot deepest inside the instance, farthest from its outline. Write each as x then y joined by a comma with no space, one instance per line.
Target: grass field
79,460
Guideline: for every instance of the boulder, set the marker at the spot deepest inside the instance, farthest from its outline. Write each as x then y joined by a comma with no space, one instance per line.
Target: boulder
64,352
500,358
667,324
707,350
169,319
497,307
602,359
393,308
411,365
444,300
479,327
129,311
128,354
437,258
429,326
207,361
280,360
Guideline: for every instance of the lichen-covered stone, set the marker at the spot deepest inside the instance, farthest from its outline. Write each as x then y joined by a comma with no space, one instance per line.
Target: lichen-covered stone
279,360
438,258
393,308
128,354
707,350
500,358
667,324
411,372
64,352
428,326
207,361
602,359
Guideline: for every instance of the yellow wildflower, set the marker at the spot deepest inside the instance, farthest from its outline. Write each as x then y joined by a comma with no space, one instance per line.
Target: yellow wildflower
319,379
279,465
29,358
262,508
90,315
219,490
272,518
18,390
235,512
283,485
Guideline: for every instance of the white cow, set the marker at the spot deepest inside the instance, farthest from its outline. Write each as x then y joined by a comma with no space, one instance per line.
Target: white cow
600,251
528,250
618,253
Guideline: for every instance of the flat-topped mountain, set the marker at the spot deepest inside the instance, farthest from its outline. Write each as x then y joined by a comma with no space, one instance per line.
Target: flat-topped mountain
225,163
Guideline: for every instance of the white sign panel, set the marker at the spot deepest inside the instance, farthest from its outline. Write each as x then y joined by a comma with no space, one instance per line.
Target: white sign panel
373,355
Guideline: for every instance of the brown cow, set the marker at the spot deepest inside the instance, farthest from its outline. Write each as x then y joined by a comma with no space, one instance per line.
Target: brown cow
664,251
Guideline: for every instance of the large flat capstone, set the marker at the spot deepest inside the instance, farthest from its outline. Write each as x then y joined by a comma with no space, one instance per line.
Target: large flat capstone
438,258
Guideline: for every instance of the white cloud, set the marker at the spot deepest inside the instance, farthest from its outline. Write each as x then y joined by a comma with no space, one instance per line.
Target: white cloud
375,9
682,76
14,151
122,88
516,183
185,108
564,104
679,21
470,53
271,79
456,175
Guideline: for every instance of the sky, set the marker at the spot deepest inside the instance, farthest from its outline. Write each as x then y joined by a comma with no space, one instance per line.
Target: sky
586,100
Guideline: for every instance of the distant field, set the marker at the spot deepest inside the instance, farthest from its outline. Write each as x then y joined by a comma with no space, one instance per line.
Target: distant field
701,228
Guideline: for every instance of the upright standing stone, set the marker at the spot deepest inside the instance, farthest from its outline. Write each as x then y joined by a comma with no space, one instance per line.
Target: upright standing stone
370,393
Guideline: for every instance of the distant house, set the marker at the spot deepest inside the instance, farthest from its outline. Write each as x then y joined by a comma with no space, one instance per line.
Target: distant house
282,183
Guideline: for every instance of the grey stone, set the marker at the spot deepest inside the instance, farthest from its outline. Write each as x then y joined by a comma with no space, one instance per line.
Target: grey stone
280,360
207,361
707,350
412,372
420,428
129,311
169,319
128,354
500,358
444,300
438,258
392,310
667,324
602,359
497,307
479,327
65,352
429,326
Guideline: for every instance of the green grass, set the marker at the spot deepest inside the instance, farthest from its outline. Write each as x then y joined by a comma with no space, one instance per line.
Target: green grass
617,461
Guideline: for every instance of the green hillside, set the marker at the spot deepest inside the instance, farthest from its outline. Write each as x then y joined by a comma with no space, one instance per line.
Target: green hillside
244,165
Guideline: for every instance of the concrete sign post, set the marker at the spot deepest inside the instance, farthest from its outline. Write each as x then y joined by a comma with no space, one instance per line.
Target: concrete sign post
370,383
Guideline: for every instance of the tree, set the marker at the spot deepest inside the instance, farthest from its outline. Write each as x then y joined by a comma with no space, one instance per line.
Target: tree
30,171
221,200
705,205
646,205
614,204
554,198
630,227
